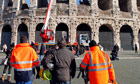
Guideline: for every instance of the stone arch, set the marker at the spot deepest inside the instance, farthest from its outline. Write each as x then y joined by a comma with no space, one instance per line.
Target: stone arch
105,4
10,3
126,37
62,1
83,28
138,4
37,32
106,36
62,31
125,5
22,31
6,34
6,3
24,5
42,3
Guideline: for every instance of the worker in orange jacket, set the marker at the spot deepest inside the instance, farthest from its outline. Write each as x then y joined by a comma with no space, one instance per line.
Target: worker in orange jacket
23,59
99,66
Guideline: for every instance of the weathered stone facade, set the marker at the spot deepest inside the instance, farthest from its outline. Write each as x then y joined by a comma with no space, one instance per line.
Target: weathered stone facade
113,14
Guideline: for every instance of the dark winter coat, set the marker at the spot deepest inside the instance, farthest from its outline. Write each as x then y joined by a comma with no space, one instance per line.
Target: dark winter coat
114,53
42,49
116,48
64,64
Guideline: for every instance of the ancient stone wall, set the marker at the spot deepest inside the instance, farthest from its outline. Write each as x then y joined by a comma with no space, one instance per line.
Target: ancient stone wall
95,13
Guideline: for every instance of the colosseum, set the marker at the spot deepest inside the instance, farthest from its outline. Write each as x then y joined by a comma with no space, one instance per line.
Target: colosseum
106,21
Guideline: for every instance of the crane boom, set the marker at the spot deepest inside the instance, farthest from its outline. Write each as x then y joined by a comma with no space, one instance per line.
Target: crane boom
47,15
46,33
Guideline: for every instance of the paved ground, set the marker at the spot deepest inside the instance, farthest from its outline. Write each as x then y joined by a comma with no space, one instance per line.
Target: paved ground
127,69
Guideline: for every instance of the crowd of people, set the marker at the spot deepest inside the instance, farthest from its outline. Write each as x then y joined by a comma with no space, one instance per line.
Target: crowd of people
60,62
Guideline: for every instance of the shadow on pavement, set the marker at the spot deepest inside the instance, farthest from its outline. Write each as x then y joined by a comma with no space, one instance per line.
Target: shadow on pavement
6,82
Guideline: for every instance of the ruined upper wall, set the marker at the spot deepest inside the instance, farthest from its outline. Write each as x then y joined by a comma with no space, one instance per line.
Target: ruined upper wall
70,7
102,4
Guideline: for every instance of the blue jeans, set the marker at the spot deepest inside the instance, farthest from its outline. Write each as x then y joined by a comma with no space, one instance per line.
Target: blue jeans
29,82
41,57
77,53
53,82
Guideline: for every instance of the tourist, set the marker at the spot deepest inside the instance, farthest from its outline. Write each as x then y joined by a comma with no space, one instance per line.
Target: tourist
7,64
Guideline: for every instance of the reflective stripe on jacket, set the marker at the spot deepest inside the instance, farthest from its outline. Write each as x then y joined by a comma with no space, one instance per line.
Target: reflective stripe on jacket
100,68
23,59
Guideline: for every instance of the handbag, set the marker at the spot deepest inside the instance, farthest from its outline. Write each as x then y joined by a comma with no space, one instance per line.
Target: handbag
4,61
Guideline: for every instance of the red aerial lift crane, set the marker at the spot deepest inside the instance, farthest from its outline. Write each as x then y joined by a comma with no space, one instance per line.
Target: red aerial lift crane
46,33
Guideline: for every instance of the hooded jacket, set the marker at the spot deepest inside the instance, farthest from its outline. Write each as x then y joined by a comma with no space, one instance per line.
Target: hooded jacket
23,59
100,68
64,64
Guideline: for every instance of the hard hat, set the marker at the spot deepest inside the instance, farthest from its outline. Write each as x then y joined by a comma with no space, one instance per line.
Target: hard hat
45,74
50,65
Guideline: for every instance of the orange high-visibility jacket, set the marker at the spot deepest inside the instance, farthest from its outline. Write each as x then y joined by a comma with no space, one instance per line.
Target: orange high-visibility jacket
24,57
100,68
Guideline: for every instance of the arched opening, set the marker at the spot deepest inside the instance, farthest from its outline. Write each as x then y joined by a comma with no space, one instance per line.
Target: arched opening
106,37
10,3
42,3
105,4
138,4
125,5
126,37
62,1
22,31
6,36
37,33
83,34
24,5
62,32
